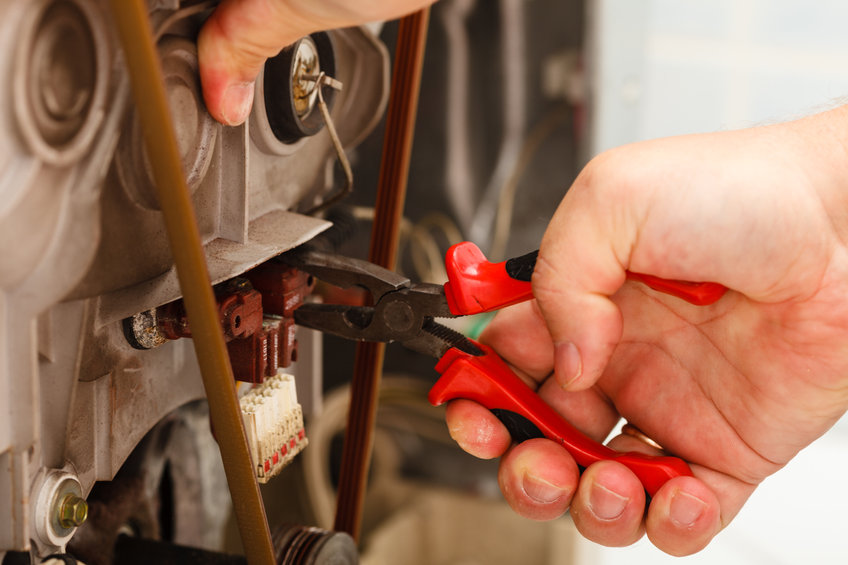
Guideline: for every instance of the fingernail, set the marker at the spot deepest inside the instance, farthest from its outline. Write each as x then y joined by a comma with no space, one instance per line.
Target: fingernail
606,504
541,490
685,509
236,103
569,365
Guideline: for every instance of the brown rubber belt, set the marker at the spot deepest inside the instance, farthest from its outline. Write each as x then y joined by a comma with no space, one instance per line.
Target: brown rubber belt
142,59
391,193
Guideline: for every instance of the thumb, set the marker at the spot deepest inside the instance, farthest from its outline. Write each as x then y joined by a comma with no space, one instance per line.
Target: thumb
241,34
232,48
580,265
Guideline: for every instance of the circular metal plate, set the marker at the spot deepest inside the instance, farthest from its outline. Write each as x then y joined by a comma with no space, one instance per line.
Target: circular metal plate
60,80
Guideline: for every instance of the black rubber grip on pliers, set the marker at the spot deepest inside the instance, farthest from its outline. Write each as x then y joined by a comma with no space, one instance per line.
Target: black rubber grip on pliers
521,268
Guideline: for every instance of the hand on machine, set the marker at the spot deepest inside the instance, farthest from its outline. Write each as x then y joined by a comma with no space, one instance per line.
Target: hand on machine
405,312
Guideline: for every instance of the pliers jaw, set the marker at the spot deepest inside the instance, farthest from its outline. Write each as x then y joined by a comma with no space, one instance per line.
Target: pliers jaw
346,272
401,310
418,333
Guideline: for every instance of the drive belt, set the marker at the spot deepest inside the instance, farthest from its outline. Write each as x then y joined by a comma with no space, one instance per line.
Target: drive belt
391,193
132,20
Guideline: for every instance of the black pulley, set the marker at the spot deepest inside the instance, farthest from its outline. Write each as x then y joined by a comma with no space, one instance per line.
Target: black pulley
291,87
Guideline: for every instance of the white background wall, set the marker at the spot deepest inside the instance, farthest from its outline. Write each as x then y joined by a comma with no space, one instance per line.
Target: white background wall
669,67
666,67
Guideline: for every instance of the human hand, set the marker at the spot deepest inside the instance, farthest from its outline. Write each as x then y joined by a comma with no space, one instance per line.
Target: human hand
241,35
737,388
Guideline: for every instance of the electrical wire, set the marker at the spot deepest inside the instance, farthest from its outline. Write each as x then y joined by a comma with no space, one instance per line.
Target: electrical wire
347,187
514,87
427,257
398,395
459,181
418,239
540,132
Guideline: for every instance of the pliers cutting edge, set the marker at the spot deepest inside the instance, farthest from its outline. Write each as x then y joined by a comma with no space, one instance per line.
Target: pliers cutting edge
405,312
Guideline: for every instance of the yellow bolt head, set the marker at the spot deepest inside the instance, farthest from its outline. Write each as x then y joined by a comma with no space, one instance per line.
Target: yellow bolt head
73,511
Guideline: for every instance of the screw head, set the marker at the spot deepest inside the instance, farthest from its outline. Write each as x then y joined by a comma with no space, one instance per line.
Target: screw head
305,70
399,316
73,511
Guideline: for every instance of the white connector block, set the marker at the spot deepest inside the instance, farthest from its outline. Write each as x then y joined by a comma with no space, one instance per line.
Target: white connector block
273,420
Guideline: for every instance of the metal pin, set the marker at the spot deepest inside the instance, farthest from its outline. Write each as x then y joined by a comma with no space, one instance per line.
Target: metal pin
320,81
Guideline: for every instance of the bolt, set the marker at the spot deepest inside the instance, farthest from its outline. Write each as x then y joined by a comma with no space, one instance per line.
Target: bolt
142,330
399,316
73,511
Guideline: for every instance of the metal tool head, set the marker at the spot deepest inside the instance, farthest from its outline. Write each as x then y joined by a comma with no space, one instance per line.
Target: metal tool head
366,323
399,306
346,272
435,339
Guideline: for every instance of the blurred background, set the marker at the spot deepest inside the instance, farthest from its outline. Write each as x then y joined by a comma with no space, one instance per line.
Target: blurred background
519,95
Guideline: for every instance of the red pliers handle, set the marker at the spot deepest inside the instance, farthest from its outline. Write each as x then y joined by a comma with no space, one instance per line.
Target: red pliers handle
488,380
476,285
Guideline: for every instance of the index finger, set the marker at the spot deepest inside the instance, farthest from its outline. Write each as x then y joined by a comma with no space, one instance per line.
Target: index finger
521,338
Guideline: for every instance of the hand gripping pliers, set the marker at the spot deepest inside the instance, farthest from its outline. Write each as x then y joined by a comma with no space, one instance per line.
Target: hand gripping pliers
405,312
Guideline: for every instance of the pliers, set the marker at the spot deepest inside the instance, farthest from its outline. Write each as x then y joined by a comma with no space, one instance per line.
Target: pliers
405,312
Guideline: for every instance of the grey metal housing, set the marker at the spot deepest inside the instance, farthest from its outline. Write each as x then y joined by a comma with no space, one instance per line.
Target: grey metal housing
82,244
